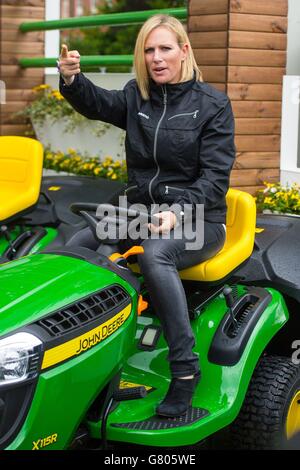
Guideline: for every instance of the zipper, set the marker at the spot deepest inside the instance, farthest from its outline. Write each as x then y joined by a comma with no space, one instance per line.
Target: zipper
130,188
173,187
194,114
164,90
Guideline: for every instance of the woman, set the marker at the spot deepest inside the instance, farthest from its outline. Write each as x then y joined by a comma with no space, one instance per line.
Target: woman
179,149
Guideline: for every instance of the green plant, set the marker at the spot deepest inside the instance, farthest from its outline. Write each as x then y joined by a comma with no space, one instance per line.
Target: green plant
278,198
50,104
78,164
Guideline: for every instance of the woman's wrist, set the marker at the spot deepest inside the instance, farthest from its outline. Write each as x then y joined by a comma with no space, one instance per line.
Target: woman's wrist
68,80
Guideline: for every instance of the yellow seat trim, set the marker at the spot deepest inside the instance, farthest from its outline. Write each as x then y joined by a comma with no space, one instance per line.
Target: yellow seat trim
21,165
240,234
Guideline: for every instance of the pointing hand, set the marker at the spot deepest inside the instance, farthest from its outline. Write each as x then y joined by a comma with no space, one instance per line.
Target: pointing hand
69,64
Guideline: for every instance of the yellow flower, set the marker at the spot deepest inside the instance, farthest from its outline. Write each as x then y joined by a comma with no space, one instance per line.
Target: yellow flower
41,87
97,171
56,94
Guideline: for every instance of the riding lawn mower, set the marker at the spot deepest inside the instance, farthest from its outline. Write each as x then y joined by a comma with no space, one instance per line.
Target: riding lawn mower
82,354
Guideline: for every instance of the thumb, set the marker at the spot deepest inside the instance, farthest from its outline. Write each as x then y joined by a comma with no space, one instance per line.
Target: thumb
64,51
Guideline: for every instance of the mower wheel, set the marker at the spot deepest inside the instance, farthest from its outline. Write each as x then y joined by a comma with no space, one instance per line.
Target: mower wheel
270,415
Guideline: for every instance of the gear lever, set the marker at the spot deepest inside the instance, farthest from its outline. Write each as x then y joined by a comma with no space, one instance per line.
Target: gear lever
227,291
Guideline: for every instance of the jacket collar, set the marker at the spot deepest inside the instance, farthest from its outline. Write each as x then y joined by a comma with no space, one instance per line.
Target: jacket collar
174,91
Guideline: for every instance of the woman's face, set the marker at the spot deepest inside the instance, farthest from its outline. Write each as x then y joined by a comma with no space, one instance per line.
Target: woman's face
163,56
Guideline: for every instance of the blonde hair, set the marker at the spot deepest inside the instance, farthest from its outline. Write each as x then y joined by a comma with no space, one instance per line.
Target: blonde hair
189,66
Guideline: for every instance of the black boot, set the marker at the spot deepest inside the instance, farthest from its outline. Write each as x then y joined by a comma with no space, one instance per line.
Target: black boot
179,397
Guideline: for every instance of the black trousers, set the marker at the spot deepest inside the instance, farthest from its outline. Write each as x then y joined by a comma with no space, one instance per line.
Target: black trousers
159,264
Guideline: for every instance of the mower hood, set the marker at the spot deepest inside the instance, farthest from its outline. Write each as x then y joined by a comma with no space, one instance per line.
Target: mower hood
35,285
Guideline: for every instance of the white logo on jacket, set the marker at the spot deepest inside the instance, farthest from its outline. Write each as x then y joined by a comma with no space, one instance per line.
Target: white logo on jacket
143,115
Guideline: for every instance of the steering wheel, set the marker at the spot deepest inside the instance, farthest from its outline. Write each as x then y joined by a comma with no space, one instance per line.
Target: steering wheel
120,216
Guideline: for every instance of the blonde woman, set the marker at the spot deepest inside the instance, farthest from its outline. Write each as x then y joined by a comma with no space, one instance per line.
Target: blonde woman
179,149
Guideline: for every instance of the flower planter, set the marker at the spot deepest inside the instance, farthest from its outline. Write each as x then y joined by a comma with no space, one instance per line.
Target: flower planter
83,139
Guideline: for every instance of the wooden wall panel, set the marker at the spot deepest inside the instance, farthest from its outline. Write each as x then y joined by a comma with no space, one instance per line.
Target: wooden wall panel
254,109
214,73
254,92
211,56
259,7
257,126
256,57
32,13
257,40
250,67
208,23
268,24
245,74
209,39
210,7
13,46
253,177
245,160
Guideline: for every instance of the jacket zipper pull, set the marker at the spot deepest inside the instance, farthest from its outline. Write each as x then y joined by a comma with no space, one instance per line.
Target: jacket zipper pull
164,95
167,190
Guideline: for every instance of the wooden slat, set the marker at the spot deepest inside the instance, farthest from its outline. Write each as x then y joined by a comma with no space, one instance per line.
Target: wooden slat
27,83
210,56
262,109
271,24
16,71
35,13
257,40
253,177
213,73
20,95
24,3
208,23
257,126
240,74
254,92
211,7
246,160
11,118
256,57
261,143
13,106
12,23
250,189
259,7
209,40
11,59
33,48
14,129
16,35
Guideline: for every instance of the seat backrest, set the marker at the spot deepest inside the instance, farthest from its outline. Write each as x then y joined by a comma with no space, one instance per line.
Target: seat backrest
21,165
240,234
240,219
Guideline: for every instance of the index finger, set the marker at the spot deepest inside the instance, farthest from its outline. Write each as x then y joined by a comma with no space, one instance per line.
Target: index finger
64,51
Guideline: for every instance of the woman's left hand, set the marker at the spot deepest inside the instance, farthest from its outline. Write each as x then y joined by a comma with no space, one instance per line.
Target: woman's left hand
167,222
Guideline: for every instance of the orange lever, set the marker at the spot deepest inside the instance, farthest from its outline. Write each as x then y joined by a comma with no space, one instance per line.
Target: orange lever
135,250
114,256
142,305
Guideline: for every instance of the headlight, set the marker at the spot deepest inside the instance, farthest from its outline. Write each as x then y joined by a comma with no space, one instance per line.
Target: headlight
19,357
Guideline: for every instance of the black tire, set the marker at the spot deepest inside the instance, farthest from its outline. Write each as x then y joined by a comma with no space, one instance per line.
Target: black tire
262,419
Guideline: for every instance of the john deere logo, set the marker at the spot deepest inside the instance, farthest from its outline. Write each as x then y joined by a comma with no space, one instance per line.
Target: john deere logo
86,341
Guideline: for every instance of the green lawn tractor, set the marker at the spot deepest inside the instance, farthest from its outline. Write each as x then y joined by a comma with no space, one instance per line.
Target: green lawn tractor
83,361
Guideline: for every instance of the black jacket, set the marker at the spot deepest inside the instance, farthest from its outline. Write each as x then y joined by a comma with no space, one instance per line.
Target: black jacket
179,144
